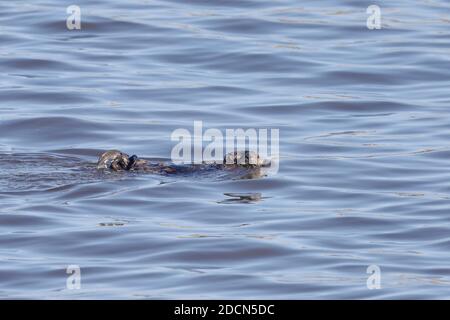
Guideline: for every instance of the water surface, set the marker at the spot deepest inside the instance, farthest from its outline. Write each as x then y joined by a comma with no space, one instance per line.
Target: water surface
364,143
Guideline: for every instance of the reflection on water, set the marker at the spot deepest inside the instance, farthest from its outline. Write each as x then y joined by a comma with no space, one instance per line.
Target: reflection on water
242,197
364,144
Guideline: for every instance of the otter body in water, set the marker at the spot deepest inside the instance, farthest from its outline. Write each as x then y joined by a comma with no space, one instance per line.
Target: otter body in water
118,161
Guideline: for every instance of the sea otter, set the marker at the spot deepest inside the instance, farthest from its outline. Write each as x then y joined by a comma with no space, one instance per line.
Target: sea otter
119,161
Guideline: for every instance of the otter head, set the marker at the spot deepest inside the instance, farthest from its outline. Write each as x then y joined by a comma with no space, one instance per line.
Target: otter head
114,160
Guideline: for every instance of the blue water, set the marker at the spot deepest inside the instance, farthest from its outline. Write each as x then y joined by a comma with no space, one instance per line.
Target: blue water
364,145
